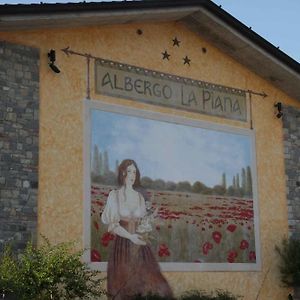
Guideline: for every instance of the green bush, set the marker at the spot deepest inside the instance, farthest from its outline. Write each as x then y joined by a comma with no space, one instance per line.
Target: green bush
193,295
150,297
200,295
289,265
47,272
8,272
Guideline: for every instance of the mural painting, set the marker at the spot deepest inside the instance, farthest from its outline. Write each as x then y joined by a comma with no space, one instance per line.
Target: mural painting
196,184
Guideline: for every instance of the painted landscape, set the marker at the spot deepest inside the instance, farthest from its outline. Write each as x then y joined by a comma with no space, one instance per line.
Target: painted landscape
188,227
197,181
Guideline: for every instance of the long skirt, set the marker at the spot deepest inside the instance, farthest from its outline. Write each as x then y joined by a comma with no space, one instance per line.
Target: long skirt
133,270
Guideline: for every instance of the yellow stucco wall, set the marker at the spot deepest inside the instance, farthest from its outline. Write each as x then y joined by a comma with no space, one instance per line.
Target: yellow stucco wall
60,202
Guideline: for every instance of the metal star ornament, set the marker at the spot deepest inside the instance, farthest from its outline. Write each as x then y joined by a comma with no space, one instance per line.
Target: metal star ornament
186,60
166,55
176,42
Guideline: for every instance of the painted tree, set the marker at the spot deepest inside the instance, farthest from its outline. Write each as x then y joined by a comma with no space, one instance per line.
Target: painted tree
170,186
158,184
117,167
105,163
101,164
183,186
198,187
233,182
146,182
96,161
230,191
218,190
237,181
244,180
248,181
224,185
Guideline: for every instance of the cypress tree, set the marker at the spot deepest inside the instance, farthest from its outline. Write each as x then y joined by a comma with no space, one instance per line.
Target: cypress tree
233,182
249,181
238,181
117,167
244,180
101,164
224,181
105,162
96,163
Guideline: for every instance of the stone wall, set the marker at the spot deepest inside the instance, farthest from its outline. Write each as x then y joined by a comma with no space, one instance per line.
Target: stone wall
19,138
291,127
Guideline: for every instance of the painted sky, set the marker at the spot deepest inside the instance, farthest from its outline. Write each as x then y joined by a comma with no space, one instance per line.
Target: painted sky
168,151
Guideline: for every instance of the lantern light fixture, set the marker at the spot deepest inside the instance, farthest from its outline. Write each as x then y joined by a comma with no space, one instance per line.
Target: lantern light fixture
52,59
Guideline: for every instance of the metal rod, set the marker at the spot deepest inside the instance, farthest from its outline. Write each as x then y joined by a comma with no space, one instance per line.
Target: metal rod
69,52
250,102
88,90
263,94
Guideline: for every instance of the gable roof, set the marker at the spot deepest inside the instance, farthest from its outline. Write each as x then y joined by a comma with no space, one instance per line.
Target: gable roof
203,17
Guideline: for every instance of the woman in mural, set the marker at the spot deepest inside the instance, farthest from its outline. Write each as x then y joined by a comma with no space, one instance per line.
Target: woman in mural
132,268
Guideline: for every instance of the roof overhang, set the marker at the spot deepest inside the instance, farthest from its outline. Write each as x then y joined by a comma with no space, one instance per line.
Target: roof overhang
201,16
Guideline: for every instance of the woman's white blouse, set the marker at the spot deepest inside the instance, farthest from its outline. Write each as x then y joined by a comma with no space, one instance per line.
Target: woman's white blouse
116,209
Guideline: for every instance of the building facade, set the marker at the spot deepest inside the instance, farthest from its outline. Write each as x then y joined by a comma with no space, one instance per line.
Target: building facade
129,58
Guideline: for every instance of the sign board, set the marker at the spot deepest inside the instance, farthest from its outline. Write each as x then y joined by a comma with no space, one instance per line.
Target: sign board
130,82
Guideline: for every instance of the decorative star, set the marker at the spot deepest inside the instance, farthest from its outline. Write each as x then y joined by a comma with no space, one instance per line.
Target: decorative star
186,60
166,55
176,42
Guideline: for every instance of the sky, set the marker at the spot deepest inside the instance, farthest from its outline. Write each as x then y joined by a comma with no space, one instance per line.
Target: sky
275,20
168,151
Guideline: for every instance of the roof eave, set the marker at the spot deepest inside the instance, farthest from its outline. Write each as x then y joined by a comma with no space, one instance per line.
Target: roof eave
202,16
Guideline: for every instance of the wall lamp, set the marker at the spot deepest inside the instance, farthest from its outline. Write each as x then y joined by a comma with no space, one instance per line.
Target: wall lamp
279,112
52,58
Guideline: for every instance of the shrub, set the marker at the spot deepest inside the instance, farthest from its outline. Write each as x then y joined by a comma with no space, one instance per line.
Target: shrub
150,297
193,295
289,265
48,272
8,272
200,295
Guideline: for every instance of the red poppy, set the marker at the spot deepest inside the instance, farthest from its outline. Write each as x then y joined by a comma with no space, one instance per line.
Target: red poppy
231,256
217,236
244,245
163,250
231,227
206,247
95,256
96,225
106,238
252,255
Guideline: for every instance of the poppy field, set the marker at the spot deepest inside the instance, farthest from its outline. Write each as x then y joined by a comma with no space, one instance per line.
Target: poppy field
187,227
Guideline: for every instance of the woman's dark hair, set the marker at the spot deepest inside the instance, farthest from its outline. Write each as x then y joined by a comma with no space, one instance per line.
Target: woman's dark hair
122,172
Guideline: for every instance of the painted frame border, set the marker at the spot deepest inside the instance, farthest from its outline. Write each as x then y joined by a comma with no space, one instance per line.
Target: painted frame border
88,106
